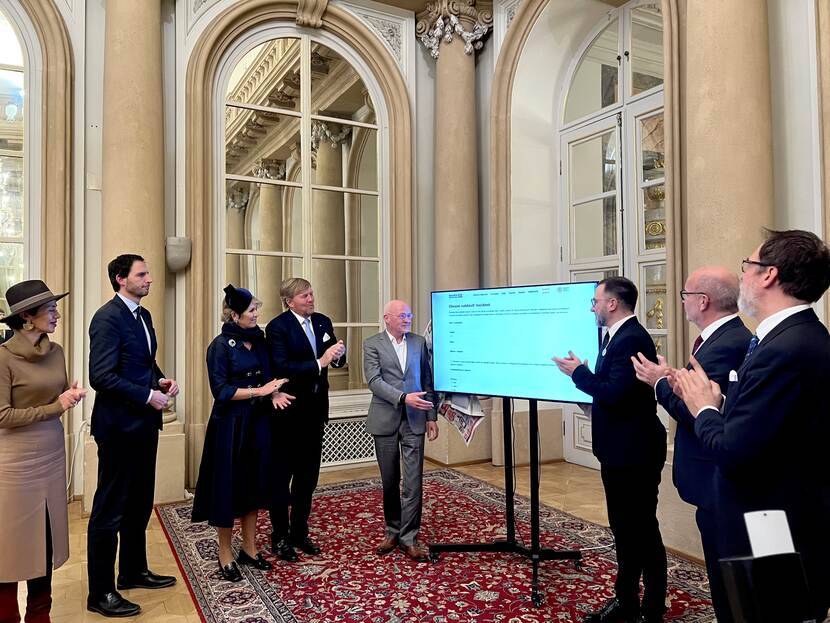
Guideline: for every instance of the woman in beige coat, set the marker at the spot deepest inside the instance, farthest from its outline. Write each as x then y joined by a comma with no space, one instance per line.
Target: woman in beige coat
34,394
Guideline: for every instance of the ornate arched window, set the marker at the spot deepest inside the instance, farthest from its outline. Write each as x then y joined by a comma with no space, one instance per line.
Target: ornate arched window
19,54
302,184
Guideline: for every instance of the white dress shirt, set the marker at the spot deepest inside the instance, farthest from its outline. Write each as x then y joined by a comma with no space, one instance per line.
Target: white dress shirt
132,306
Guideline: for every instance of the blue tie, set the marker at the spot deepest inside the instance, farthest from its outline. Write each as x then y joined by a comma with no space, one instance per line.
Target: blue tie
753,343
310,335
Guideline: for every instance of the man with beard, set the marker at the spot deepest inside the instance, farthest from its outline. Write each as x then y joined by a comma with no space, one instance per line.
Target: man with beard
630,443
770,441
710,301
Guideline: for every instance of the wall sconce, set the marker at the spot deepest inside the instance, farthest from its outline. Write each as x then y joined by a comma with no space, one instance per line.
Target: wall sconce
177,250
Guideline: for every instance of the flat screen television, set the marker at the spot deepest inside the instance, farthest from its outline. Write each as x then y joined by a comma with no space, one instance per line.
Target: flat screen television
499,341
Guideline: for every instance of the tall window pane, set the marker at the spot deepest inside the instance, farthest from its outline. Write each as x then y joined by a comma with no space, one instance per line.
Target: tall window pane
302,186
12,197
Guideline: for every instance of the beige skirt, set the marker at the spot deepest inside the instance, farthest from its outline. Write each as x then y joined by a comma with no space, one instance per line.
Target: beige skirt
32,480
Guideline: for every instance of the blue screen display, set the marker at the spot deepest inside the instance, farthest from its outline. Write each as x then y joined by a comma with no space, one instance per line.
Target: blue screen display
499,341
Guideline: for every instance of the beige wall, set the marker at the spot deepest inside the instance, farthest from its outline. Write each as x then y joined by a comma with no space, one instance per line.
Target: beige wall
550,47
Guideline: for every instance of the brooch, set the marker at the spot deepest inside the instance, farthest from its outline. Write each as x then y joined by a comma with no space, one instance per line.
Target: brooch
232,342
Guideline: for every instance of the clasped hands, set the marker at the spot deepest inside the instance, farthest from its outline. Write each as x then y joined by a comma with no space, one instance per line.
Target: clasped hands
333,353
71,396
693,386
279,399
168,388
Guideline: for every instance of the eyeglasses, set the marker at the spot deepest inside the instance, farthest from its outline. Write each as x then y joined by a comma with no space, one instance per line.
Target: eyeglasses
595,301
685,293
746,261
405,316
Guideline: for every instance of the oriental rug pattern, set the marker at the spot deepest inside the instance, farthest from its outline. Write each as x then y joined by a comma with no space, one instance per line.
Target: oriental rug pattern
349,583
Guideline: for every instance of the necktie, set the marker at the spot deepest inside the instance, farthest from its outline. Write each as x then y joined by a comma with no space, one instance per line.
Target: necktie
138,314
310,335
603,345
696,345
752,344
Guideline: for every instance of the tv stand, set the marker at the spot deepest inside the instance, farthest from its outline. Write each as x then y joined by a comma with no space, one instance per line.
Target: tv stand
535,553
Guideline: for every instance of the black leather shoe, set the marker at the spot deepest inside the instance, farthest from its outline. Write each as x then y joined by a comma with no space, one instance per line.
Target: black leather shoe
112,605
147,579
307,546
230,571
612,612
282,549
257,563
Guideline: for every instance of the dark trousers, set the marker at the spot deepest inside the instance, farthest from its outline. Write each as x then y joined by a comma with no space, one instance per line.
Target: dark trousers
298,448
402,513
707,523
38,597
121,509
631,498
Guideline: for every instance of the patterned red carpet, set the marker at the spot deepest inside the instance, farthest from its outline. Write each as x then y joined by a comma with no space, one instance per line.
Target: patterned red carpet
348,582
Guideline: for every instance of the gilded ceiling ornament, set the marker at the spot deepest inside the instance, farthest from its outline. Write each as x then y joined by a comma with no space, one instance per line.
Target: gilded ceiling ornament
444,19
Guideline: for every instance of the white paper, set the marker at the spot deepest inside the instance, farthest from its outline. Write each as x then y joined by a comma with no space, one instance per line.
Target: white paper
769,533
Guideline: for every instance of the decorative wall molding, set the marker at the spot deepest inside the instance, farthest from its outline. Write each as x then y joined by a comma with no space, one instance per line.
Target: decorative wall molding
504,11
389,30
444,19
310,12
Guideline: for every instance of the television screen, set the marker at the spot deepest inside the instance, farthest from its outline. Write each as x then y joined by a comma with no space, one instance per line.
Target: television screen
499,341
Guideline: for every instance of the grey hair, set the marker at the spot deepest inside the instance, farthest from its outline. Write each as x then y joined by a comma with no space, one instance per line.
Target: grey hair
723,293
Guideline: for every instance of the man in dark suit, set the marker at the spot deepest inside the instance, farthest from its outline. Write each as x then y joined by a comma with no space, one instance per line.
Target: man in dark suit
131,392
302,346
397,370
710,300
630,443
770,442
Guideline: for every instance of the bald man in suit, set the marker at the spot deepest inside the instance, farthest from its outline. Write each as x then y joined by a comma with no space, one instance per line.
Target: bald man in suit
397,370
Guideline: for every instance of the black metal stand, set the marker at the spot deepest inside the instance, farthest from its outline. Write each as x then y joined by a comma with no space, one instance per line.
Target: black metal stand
535,553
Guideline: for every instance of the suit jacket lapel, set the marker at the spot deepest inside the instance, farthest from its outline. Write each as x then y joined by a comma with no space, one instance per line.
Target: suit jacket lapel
409,348
390,350
131,321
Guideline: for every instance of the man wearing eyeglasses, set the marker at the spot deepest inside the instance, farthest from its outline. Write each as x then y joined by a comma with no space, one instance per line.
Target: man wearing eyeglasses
630,443
770,437
397,370
710,301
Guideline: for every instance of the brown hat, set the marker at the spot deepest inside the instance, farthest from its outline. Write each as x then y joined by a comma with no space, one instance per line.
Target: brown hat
27,295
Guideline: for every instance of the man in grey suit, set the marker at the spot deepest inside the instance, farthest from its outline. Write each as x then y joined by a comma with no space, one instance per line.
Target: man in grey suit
396,367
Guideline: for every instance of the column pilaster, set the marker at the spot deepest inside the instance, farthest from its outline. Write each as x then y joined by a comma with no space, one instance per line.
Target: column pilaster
726,142
133,146
452,32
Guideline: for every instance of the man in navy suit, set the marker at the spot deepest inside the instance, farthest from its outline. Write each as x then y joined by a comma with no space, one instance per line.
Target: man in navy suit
302,346
770,441
710,300
630,443
131,392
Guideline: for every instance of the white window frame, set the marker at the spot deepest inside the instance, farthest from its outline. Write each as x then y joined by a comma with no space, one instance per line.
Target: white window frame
32,137
342,400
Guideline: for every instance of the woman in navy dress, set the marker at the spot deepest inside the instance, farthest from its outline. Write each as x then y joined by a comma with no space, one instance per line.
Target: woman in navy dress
236,474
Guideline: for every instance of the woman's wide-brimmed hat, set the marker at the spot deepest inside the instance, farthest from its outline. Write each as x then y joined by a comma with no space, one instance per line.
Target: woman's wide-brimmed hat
28,295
